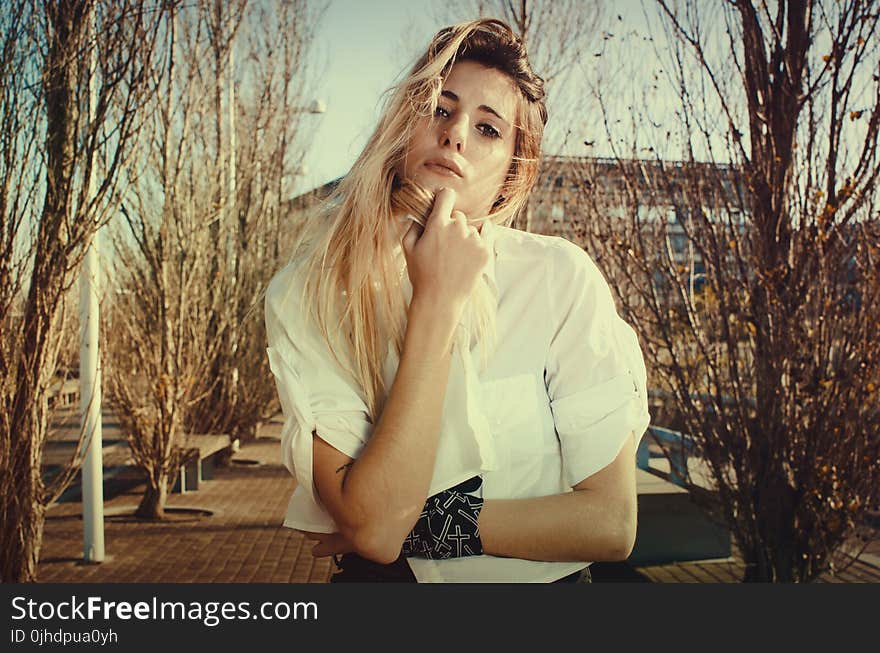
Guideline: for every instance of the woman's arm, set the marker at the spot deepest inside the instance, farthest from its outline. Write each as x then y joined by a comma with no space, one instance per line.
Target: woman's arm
595,522
376,499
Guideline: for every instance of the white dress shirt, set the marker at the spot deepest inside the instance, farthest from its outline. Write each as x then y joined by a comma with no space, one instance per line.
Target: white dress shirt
564,388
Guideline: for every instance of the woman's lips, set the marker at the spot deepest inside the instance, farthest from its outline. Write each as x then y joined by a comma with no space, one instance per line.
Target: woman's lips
442,170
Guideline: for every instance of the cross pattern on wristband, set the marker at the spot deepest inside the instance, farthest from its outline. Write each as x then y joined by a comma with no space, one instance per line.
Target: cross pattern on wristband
447,526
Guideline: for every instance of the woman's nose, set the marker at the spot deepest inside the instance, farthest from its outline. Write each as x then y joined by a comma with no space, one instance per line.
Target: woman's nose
454,133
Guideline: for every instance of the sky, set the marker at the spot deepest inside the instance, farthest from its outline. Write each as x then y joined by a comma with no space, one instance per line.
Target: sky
367,44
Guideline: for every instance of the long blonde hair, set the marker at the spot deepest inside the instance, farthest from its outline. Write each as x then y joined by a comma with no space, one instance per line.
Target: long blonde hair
348,248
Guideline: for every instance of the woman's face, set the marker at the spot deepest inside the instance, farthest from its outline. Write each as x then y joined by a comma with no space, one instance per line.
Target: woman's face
469,143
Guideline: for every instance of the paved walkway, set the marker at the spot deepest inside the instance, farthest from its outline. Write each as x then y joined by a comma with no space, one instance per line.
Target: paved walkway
732,571
242,541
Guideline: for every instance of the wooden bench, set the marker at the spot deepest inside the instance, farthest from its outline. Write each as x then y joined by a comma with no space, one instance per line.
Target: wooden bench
678,447
63,394
199,455
673,527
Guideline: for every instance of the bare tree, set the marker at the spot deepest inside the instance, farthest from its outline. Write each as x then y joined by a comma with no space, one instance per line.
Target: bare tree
158,345
204,231
51,150
262,149
768,351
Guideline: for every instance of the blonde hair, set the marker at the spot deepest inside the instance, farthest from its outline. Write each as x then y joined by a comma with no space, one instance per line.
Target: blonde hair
352,267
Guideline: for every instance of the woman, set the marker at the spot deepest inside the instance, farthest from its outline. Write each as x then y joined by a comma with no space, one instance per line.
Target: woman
462,401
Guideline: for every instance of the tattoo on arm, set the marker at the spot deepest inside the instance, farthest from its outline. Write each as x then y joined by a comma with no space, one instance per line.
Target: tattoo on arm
345,475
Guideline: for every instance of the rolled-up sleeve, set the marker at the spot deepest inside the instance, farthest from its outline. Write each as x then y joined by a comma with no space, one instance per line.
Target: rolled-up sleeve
316,393
595,371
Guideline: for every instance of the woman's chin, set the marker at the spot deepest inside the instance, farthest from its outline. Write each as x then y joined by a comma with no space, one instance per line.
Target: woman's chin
434,182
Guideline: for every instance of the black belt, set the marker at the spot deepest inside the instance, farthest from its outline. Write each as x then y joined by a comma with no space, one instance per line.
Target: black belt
356,569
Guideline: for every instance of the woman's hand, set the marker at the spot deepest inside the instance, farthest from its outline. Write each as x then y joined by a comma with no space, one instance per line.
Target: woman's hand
444,260
329,544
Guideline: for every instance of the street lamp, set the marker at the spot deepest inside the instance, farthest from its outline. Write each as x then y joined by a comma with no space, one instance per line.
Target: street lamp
316,106
302,169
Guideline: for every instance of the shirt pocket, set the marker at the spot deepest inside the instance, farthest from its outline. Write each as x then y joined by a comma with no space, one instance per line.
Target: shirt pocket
511,408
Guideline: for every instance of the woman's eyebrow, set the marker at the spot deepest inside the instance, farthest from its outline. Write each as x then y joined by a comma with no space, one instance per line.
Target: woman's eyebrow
452,96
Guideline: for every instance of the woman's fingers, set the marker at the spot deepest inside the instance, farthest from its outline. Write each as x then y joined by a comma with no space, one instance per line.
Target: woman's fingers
467,229
411,237
444,263
329,544
459,218
444,202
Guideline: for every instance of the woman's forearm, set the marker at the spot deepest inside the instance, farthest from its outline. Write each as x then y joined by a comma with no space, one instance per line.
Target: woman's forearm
584,525
386,487
597,521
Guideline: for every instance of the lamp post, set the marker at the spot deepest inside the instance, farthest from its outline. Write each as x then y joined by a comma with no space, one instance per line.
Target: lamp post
302,169
316,106
92,472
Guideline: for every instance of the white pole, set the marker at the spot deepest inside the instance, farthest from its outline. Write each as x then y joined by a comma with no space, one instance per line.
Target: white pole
232,139
90,372
233,223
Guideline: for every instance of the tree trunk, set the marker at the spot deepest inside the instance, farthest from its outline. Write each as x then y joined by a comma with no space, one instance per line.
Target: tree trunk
23,525
152,504
758,569
22,503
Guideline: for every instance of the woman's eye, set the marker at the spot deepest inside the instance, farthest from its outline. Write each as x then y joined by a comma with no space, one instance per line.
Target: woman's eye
485,129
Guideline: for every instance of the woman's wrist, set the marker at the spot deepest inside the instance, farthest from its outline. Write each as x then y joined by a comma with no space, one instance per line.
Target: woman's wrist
447,526
431,325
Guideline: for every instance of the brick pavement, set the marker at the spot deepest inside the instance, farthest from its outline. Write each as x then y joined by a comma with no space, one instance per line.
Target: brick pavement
731,571
865,568
244,542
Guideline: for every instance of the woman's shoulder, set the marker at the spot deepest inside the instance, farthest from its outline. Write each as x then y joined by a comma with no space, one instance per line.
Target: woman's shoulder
290,300
292,305
558,256
286,288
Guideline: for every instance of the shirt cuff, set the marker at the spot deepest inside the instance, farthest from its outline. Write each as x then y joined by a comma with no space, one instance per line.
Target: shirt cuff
593,425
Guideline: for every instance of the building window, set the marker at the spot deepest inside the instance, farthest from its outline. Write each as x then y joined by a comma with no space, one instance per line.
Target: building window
679,243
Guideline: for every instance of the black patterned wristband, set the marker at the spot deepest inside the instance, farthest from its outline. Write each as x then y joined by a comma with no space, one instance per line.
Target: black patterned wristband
447,527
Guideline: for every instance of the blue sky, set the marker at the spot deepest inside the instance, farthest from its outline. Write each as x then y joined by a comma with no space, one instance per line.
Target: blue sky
367,45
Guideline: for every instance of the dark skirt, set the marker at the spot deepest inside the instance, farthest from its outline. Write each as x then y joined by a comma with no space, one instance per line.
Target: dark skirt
355,569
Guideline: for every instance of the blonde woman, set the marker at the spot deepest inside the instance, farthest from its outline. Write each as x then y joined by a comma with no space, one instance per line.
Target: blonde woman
462,402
